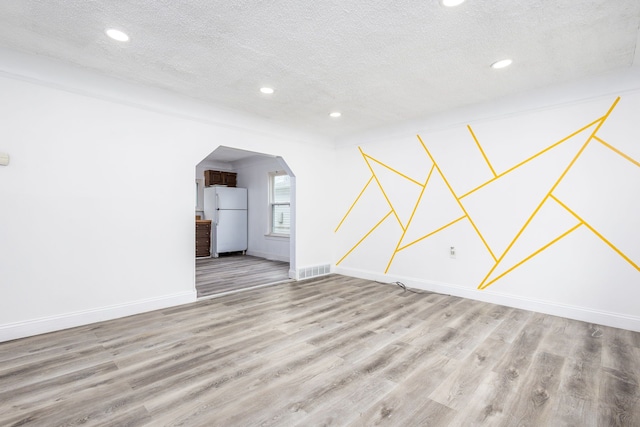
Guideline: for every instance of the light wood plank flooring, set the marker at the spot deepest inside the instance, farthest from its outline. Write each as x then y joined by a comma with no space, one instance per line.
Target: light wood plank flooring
232,272
329,351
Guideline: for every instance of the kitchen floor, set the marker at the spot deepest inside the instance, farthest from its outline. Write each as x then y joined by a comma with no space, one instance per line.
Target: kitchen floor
232,272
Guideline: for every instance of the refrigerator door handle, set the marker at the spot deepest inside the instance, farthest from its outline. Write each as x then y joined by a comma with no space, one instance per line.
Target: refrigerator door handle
217,210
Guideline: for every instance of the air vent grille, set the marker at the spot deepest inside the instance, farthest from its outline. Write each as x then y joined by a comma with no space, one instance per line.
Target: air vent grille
317,270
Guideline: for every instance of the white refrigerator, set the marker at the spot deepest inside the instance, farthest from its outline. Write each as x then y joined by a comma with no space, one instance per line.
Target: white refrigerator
226,207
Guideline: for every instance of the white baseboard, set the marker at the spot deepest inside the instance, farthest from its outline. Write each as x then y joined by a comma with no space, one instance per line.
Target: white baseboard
12,331
584,314
269,256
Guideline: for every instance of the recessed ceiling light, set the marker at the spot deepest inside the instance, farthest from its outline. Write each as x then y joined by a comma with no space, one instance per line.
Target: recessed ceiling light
117,35
266,90
335,114
501,64
452,3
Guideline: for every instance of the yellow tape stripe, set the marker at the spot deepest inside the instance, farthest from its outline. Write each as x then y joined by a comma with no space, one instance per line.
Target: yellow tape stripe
614,149
424,187
566,138
575,227
365,236
381,188
592,136
393,170
486,159
432,233
455,197
535,212
353,204
611,245
606,116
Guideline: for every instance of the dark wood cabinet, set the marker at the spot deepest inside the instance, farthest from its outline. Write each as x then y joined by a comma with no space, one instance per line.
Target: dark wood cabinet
203,238
229,179
219,178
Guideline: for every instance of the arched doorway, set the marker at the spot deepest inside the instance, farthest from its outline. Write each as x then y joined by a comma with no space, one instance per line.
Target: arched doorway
270,254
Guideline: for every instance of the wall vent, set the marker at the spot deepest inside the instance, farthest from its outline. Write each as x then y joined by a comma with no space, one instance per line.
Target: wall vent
318,270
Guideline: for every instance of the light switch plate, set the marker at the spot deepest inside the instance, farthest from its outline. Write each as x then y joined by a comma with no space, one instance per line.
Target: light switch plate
4,159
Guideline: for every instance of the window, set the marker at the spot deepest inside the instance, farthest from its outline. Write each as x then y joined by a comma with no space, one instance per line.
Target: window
279,203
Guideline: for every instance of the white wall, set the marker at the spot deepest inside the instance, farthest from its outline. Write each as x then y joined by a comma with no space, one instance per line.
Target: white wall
253,174
592,273
96,207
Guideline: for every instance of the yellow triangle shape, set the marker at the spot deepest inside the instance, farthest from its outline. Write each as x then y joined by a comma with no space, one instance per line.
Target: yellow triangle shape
550,224
401,191
437,208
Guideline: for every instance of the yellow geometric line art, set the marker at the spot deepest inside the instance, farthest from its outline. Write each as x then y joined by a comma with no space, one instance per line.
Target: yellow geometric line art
594,231
482,284
488,280
432,233
364,237
456,198
615,150
486,159
424,187
511,169
381,188
566,233
393,170
353,204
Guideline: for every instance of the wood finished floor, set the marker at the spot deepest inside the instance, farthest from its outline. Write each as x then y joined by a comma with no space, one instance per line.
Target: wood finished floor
329,351
232,272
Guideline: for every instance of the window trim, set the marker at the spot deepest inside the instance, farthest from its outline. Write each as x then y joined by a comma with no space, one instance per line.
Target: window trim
271,204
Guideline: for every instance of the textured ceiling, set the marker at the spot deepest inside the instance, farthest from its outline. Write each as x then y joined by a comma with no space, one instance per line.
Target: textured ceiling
379,62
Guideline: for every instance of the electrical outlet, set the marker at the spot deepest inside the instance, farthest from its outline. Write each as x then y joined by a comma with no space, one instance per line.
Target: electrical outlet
452,252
